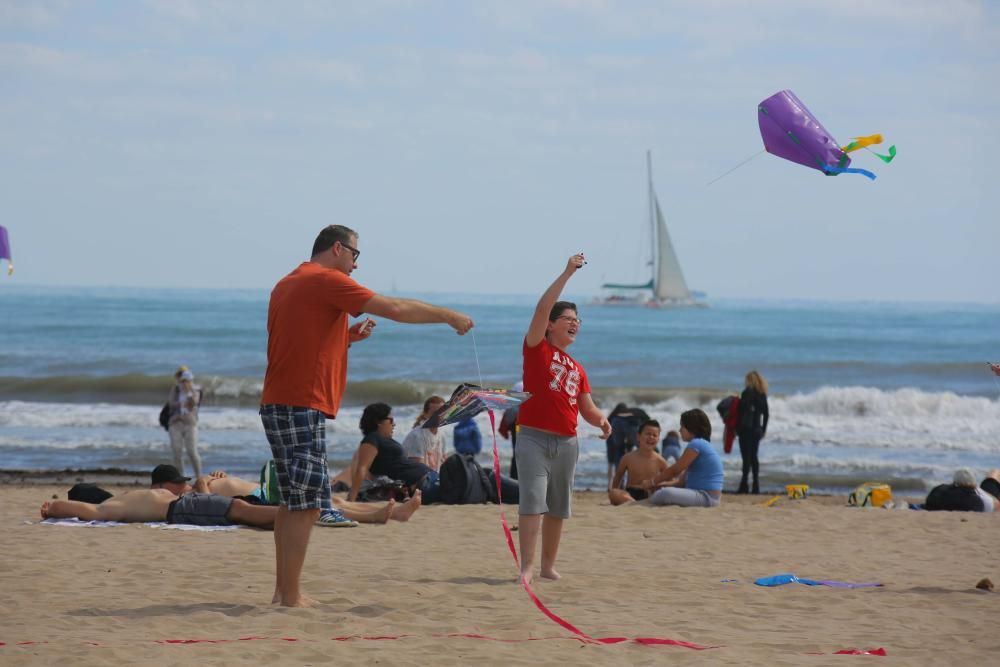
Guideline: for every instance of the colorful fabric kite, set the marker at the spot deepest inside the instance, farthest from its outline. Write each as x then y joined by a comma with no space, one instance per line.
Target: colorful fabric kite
5,249
782,579
994,367
468,400
790,131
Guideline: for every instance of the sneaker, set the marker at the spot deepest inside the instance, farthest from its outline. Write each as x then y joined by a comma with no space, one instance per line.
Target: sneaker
334,519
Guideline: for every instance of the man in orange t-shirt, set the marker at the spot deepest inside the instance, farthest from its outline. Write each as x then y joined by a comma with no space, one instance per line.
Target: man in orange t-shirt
308,334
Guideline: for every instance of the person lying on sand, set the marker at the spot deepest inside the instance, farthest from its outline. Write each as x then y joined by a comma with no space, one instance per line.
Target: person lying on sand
219,483
641,466
199,509
962,495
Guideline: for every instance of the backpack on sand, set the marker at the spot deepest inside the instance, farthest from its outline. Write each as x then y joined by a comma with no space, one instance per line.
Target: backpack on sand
464,482
870,494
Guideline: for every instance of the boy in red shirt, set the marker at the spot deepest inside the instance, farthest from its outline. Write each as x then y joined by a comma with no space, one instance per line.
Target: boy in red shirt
547,448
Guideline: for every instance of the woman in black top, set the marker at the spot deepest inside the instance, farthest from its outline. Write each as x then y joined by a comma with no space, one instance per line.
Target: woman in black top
751,427
381,455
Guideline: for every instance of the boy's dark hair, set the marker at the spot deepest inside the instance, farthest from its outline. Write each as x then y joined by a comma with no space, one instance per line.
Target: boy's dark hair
329,235
561,307
372,415
648,422
697,424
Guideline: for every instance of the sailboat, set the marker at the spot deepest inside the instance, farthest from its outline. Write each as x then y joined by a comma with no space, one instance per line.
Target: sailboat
666,287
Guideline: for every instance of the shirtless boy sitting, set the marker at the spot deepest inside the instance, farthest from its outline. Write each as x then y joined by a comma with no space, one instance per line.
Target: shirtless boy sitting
219,483
641,466
200,509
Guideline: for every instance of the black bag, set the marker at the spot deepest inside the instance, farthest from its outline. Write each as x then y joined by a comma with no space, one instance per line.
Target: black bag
165,416
464,482
87,492
382,488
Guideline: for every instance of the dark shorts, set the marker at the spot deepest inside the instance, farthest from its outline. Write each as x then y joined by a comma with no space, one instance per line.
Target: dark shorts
298,446
638,494
200,509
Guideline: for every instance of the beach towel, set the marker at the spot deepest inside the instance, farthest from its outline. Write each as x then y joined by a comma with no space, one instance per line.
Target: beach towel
151,524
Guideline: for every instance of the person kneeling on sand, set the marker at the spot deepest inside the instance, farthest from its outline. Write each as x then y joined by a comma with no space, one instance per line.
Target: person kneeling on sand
640,465
219,483
145,505
696,479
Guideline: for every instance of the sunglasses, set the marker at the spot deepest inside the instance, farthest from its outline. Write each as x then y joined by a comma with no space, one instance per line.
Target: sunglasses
354,251
572,320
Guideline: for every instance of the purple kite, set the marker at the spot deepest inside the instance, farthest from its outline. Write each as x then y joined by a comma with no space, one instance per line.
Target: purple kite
468,400
790,131
5,249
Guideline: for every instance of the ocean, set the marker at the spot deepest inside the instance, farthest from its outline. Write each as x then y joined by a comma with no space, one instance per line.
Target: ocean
891,392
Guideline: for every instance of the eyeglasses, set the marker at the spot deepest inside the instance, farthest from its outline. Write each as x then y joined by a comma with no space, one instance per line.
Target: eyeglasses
572,320
390,420
354,251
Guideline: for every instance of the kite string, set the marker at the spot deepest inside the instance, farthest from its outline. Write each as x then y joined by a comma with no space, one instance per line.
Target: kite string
475,350
736,167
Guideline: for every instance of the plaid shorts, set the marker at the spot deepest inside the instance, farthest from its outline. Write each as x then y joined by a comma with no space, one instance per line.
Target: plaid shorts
298,446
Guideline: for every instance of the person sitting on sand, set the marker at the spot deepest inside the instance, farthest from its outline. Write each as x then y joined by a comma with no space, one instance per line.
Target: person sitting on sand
962,495
640,465
426,445
672,446
144,505
219,483
696,479
380,454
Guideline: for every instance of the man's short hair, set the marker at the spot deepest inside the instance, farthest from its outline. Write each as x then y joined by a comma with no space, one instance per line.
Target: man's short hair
329,235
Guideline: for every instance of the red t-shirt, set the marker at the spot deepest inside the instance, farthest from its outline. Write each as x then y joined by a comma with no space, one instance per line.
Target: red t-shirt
307,337
554,380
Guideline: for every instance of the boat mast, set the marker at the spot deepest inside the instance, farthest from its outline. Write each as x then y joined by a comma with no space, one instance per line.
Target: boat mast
652,223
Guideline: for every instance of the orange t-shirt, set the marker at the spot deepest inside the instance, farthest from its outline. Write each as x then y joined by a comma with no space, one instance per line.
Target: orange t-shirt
307,337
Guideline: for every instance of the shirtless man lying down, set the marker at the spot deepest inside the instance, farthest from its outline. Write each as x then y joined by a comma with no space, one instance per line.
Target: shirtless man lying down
168,477
200,509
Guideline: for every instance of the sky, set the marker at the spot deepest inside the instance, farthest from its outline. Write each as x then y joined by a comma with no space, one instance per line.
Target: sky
476,145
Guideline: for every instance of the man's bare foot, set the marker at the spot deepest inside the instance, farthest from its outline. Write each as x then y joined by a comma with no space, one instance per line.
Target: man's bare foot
384,514
303,601
526,576
45,510
550,573
406,510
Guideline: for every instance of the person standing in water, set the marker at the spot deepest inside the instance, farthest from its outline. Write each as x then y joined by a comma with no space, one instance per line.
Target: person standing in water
547,446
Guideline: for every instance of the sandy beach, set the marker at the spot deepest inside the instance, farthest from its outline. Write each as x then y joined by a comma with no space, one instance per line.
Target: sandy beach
120,595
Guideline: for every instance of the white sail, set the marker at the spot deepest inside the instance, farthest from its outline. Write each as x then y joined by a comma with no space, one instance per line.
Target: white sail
669,282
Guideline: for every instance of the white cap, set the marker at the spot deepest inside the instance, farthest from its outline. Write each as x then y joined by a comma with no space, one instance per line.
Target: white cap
965,477
187,375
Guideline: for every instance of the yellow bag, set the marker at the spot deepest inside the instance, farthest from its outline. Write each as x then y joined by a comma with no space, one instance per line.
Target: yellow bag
795,491
870,494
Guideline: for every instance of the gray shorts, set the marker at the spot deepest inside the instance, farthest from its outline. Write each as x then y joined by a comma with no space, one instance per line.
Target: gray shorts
200,509
546,464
